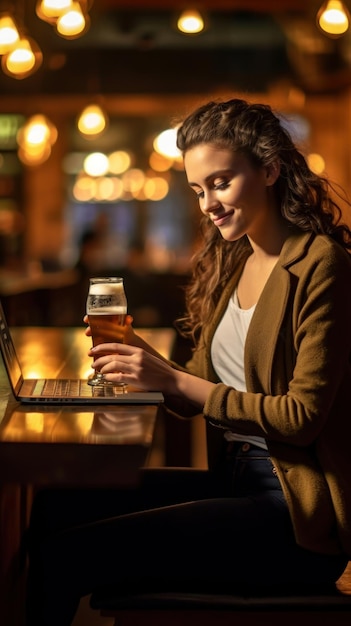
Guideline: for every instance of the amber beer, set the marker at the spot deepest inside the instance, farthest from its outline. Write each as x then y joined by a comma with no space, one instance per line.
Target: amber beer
103,323
106,310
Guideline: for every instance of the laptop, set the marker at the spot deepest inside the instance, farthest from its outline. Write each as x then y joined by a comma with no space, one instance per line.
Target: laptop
64,391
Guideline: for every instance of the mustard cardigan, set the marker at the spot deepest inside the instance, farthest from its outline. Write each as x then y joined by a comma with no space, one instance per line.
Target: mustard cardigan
298,376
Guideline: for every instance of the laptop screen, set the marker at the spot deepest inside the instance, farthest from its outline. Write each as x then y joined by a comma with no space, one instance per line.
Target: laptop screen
9,355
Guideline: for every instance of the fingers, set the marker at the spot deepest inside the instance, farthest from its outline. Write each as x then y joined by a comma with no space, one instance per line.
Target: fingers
87,331
107,348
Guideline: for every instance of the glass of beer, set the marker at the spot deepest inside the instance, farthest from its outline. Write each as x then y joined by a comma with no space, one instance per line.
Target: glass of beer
106,310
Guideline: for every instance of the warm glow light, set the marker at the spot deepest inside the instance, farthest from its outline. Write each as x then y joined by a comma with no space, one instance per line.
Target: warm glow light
23,60
316,163
333,18
165,143
37,131
34,155
35,139
72,23
8,34
133,180
84,188
156,188
119,161
52,8
190,22
96,164
92,121
105,188
35,422
160,163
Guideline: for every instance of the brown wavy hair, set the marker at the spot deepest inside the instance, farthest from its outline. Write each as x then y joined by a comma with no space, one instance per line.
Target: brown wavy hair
305,199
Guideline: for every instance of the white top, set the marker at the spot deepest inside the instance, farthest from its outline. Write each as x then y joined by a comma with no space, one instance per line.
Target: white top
227,354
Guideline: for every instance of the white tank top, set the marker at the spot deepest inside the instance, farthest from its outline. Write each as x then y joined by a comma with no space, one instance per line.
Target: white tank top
227,354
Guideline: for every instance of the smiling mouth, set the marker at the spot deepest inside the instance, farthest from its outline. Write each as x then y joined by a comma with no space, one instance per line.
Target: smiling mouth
221,219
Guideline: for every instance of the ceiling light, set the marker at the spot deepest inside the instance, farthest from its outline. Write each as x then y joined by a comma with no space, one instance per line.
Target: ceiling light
333,18
92,121
190,22
8,33
50,10
34,155
72,23
23,60
35,140
38,130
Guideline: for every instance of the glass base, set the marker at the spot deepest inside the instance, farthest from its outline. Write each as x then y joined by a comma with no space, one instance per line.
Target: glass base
98,380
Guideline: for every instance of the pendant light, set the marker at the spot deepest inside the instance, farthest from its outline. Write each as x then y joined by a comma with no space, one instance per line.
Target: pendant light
92,121
23,60
73,23
35,139
190,22
333,18
9,35
50,10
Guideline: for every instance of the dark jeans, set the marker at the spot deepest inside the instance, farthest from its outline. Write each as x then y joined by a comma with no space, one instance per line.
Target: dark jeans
181,529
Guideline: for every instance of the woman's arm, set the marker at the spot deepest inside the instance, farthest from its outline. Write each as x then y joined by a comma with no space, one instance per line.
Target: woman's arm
148,370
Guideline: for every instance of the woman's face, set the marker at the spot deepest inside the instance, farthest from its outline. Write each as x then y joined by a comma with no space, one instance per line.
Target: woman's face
234,194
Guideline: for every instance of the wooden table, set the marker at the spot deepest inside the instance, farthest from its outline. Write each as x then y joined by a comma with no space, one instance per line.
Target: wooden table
62,445
72,444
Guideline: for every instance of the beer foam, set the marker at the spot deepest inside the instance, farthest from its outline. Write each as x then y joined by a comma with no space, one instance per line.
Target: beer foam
108,310
106,289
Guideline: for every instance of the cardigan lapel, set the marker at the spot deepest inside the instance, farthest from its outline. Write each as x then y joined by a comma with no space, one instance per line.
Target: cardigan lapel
267,322
264,330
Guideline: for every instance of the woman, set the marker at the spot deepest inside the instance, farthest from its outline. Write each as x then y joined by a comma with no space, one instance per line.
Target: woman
269,310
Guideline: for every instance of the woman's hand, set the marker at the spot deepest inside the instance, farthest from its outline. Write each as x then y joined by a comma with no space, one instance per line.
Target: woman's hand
136,363
149,371
120,362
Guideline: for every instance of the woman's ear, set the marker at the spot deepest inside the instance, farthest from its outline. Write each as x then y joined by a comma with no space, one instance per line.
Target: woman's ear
272,173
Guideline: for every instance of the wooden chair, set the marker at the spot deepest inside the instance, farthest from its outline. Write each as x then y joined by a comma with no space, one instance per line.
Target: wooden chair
321,606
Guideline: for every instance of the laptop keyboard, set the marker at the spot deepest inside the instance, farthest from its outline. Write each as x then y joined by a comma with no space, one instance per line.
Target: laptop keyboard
66,388
51,388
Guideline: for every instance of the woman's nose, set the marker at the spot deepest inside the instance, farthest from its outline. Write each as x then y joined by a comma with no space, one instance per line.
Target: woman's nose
209,202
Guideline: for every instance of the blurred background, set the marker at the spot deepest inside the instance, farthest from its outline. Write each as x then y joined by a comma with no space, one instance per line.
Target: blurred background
78,199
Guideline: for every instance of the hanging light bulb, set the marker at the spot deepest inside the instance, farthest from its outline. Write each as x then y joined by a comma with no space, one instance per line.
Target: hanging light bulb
190,22
9,35
50,10
73,22
333,18
34,155
36,131
92,121
23,60
35,140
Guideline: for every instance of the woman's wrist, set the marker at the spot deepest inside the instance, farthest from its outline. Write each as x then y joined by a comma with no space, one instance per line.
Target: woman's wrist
189,387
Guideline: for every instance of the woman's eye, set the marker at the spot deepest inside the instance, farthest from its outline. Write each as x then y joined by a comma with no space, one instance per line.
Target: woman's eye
222,185
199,194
